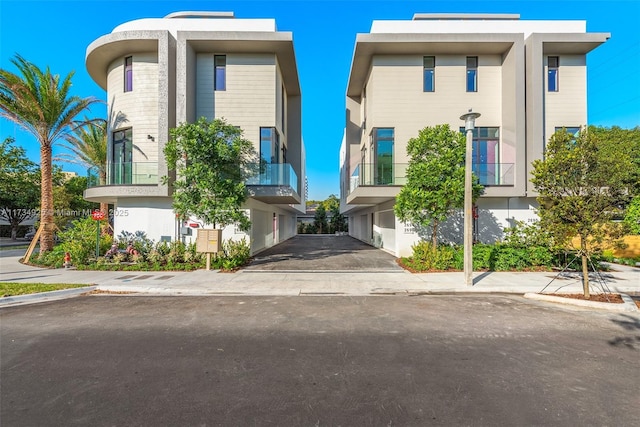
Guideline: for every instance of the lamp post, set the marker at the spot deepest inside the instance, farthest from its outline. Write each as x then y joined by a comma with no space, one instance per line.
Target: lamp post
469,123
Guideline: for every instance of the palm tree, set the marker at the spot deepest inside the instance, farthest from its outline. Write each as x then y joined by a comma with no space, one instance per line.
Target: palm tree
88,146
40,103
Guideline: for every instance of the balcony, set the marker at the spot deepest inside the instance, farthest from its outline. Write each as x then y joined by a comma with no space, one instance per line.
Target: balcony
374,184
132,173
274,184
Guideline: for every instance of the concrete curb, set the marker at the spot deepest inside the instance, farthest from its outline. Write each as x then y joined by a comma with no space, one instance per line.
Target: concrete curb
44,296
627,306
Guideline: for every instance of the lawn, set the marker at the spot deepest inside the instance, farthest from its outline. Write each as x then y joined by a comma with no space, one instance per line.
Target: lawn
8,289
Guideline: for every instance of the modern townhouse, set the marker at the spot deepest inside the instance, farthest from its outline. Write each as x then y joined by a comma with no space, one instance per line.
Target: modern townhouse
526,78
161,72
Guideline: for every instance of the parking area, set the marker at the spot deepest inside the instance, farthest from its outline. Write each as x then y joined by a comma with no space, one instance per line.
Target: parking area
323,253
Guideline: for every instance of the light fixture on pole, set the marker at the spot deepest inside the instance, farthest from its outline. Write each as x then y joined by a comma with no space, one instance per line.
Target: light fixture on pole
469,123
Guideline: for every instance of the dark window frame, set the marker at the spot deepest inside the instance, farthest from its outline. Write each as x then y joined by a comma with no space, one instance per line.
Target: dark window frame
220,72
428,73
472,72
128,74
553,73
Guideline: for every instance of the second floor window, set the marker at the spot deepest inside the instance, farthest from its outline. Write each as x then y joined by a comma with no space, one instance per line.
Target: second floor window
220,76
552,73
472,73
269,146
429,71
128,74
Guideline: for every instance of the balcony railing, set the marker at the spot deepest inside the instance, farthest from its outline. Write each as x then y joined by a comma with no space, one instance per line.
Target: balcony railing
383,174
132,173
272,174
494,174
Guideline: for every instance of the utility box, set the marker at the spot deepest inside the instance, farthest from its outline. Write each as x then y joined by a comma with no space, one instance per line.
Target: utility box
209,240
185,231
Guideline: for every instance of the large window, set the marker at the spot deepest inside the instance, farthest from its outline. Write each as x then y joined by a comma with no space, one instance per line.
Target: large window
128,74
486,155
429,74
220,77
472,73
552,73
269,146
383,155
121,156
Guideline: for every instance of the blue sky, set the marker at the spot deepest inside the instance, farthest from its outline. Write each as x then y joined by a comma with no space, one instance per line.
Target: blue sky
56,34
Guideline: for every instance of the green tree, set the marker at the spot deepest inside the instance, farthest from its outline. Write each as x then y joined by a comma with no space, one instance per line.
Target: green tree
320,220
19,189
615,141
338,222
581,184
40,102
212,161
68,199
435,179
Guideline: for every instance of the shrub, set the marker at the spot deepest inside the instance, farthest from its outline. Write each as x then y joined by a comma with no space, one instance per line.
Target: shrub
632,216
141,242
80,241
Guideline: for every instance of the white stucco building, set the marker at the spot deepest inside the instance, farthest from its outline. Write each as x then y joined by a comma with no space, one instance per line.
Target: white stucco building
526,78
161,72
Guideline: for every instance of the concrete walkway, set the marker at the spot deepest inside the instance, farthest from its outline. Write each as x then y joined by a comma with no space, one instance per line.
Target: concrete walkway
316,265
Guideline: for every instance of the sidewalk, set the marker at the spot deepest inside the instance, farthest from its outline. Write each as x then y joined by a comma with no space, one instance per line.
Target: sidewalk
274,282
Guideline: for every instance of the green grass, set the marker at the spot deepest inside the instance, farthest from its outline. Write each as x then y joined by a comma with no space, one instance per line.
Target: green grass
8,289
10,248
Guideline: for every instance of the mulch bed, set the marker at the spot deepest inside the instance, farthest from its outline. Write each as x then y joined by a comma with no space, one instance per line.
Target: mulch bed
611,298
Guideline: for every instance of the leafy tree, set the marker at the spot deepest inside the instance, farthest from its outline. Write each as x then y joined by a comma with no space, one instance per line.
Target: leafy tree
615,141
19,189
632,216
338,222
68,199
581,184
40,103
320,220
435,179
212,160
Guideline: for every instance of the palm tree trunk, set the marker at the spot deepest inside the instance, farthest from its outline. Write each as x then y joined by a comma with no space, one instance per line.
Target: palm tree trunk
585,267
46,198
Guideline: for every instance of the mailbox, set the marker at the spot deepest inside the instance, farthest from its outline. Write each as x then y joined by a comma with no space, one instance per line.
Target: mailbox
209,240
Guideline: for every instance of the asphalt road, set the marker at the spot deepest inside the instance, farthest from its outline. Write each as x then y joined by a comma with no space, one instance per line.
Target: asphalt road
305,361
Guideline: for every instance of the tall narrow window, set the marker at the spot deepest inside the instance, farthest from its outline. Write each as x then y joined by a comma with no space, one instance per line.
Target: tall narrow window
383,156
472,73
269,146
552,73
429,74
283,109
121,157
486,155
128,74
220,77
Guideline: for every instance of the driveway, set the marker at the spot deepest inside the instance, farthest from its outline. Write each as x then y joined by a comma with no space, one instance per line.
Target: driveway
323,253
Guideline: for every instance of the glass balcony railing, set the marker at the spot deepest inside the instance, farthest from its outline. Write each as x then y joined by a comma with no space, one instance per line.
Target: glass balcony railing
494,174
382,174
132,173
281,174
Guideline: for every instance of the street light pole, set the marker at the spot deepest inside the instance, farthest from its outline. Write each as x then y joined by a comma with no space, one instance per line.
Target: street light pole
469,123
